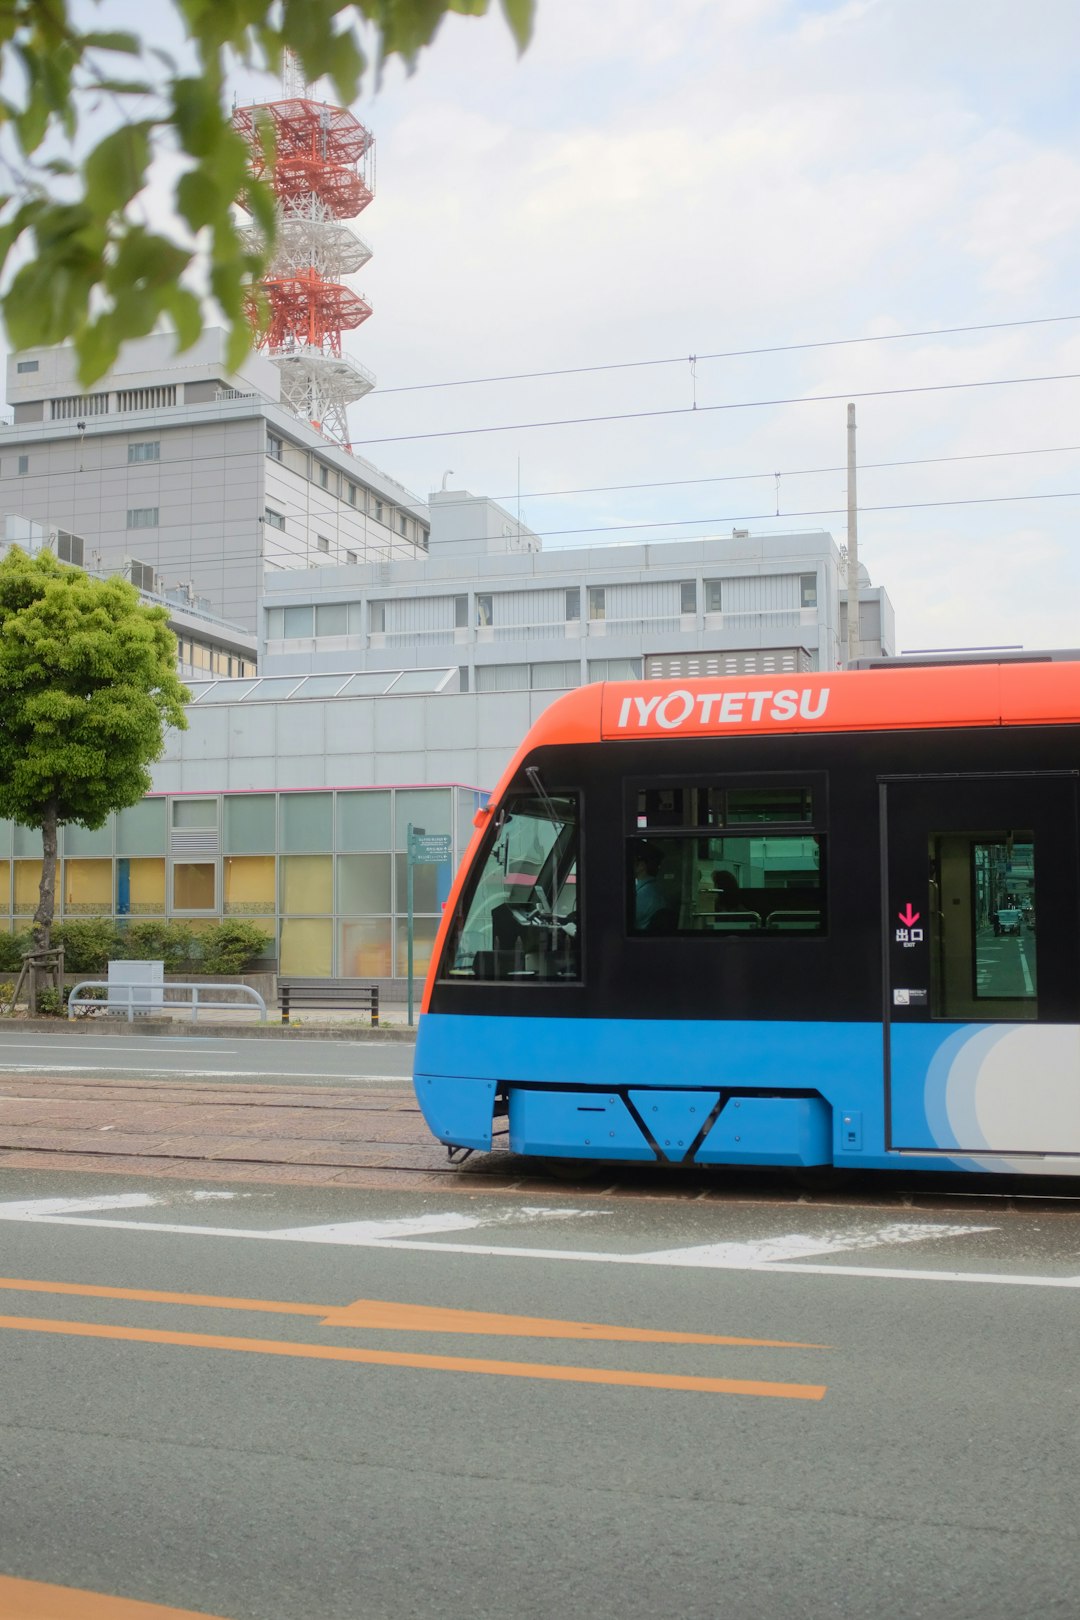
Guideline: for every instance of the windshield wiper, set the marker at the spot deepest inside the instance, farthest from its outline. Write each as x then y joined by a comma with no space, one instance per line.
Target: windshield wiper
559,823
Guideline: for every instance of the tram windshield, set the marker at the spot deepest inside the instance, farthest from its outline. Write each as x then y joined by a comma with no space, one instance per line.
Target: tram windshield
519,919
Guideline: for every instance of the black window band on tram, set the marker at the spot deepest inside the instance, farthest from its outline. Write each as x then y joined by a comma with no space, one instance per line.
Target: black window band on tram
517,921
714,857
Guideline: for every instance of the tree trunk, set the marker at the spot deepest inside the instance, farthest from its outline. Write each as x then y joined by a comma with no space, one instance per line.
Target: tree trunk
43,916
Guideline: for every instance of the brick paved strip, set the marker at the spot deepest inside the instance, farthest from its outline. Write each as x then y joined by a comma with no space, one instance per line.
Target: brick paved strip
156,1118
212,1095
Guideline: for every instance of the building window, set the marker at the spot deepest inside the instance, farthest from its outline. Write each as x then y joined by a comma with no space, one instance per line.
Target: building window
461,612
274,519
402,523
323,544
808,590
145,450
142,517
324,476
573,604
24,464
376,617
425,537
614,669
378,511
194,886
332,619
555,675
350,556
350,494
688,596
484,610
26,365
198,813
713,596
597,602
275,447
299,622
463,678
502,677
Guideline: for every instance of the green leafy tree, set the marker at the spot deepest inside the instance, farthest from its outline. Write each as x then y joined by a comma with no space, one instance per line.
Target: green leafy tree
88,685
92,268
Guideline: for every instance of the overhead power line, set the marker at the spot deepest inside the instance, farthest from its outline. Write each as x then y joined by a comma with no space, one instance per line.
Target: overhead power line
724,354
732,405
740,518
790,472
819,512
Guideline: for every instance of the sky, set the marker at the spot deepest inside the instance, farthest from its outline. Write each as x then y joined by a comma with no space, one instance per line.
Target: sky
660,179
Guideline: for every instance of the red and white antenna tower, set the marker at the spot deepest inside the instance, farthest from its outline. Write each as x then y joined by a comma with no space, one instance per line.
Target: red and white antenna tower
323,175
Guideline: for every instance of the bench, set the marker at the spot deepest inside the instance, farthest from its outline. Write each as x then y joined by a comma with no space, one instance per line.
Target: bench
349,993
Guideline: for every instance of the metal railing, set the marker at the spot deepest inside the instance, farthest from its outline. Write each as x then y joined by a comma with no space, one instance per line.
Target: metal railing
150,998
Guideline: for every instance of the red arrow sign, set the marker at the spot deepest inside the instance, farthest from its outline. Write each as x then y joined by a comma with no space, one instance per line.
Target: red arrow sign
908,916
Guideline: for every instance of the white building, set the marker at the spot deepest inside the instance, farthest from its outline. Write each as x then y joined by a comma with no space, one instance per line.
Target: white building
185,475
487,598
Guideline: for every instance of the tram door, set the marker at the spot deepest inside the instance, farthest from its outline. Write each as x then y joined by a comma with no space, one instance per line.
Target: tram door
982,963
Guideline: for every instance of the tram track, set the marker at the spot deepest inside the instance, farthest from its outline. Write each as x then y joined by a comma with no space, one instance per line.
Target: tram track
213,1130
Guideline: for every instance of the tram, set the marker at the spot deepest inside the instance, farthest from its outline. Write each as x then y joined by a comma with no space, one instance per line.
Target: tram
799,920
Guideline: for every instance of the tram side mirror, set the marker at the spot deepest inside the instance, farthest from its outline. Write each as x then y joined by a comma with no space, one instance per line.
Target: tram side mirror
482,816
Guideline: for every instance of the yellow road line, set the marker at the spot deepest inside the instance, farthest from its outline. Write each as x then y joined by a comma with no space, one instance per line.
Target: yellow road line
37,1600
161,1296
396,1358
375,1313
387,1315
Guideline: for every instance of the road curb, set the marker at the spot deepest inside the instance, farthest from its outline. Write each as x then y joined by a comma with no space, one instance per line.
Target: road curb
90,1027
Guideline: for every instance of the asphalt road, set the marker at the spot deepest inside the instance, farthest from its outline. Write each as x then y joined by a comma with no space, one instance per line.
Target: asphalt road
906,1445
289,1062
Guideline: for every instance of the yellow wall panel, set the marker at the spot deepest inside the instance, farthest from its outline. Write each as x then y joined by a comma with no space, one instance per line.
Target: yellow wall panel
27,886
88,888
307,886
306,947
249,882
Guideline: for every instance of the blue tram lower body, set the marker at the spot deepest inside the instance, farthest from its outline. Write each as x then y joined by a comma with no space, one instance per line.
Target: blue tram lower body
945,1096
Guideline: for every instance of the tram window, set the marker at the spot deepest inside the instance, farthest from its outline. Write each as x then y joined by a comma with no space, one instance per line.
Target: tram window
519,920
733,885
983,941
705,807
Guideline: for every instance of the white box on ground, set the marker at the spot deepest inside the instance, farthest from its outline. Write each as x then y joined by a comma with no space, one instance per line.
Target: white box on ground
147,992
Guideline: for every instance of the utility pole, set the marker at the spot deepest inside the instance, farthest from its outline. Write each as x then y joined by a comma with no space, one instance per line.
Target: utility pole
852,545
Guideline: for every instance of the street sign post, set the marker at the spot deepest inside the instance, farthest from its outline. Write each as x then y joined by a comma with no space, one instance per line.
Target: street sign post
424,849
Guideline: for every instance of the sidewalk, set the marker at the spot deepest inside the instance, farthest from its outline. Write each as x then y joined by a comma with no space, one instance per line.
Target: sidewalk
319,1024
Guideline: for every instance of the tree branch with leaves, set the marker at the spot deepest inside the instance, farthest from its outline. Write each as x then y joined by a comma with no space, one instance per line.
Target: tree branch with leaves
89,266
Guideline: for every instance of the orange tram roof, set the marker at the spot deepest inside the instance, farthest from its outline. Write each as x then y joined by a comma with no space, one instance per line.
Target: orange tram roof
894,698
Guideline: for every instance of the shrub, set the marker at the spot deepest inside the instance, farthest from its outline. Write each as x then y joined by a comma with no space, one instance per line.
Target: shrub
89,943
12,947
52,1003
175,944
229,946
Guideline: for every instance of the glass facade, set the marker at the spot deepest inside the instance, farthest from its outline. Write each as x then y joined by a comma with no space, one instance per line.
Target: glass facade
324,873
